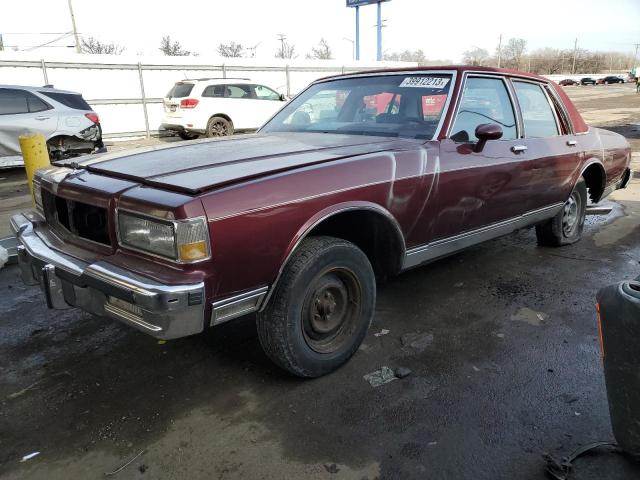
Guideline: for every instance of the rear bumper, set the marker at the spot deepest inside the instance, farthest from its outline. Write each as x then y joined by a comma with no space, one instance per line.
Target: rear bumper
177,127
100,288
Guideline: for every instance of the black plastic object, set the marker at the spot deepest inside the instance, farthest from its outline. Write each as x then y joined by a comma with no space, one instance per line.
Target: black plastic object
620,334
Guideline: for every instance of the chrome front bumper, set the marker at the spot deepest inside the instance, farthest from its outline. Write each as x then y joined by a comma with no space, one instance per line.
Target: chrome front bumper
163,311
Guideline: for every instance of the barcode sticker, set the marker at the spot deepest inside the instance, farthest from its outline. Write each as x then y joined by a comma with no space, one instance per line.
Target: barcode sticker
425,82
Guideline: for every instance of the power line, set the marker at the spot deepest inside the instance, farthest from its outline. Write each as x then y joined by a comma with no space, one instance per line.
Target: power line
28,49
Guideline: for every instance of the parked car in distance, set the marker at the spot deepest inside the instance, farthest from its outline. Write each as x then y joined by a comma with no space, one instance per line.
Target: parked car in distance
361,176
587,81
610,79
66,120
567,82
218,107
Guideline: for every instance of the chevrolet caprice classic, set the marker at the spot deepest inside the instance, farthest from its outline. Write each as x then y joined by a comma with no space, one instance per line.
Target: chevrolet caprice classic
360,177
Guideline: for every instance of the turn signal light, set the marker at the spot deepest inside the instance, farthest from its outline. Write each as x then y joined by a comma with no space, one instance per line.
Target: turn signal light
190,252
189,103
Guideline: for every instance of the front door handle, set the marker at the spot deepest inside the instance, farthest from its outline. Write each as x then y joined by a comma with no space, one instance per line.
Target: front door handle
571,143
42,117
518,148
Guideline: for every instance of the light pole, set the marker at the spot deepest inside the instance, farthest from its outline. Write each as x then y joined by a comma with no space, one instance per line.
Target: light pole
353,47
75,30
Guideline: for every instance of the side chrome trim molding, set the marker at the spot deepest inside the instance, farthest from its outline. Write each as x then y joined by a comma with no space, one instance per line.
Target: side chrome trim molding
237,306
446,246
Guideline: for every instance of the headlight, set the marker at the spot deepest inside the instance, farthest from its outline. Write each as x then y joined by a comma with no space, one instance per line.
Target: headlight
184,241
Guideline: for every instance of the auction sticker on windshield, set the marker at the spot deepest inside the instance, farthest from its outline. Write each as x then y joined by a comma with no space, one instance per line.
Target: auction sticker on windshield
425,82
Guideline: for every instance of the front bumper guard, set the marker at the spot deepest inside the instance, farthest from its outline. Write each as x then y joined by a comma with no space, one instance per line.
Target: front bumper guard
100,288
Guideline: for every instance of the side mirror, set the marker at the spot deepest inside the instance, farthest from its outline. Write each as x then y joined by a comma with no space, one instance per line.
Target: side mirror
283,97
486,132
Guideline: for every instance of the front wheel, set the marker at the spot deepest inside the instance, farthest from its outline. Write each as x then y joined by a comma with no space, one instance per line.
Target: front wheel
566,227
321,309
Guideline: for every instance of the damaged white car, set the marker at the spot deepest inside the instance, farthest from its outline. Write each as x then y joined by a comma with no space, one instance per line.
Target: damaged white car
66,120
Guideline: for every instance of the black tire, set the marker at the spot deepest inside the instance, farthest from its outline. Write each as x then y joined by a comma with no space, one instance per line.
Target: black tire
188,136
325,276
567,226
219,127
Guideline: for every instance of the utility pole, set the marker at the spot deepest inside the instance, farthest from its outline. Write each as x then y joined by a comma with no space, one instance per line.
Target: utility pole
75,30
575,51
379,53
499,50
357,33
635,56
282,39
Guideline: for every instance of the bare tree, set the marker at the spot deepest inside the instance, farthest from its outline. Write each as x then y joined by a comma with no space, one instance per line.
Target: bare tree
321,52
231,49
406,56
93,45
513,51
476,56
172,49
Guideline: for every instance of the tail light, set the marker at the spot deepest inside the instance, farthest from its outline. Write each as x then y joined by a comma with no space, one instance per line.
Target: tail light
93,117
188,103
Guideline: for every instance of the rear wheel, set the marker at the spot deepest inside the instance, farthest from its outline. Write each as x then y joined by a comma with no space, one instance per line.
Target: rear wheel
219,127
566,227
321,309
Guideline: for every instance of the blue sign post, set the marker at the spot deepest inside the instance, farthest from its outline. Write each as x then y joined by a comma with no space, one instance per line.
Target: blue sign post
357,4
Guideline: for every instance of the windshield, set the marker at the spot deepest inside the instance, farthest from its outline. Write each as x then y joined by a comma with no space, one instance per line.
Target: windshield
407,105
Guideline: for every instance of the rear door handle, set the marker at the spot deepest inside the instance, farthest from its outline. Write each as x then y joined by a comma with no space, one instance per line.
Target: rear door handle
571,143
518,148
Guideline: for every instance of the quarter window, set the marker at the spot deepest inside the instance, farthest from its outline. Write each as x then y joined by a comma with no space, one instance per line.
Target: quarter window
484,100
537,116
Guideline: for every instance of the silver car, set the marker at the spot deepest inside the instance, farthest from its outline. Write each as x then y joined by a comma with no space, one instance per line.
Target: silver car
66,120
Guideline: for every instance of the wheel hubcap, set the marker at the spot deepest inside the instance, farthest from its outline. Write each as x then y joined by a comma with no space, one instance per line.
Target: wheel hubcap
571,214
218,129
330,310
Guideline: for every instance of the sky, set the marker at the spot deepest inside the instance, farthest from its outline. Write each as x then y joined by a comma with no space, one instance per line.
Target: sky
442,29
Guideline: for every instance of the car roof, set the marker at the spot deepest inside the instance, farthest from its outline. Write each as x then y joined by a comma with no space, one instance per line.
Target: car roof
215,81
38,89
457,68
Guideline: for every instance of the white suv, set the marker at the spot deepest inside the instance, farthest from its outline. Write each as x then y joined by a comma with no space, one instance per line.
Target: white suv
218,106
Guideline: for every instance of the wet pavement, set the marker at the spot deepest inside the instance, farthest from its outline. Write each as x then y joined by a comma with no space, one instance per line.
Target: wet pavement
501,341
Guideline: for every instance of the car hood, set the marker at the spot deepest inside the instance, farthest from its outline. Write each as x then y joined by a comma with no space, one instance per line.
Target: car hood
204,164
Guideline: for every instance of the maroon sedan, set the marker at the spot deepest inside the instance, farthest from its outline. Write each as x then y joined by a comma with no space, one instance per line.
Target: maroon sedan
361,176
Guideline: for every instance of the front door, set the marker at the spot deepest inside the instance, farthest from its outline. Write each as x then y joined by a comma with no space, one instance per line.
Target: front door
479,188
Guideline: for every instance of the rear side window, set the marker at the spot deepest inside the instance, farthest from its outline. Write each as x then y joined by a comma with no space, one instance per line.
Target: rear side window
13,101
71,100
214,91
537,115
180,90
36,104
484,100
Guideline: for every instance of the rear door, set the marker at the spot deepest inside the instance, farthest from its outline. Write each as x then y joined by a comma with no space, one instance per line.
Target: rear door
480,188
552,150
23,112
241,106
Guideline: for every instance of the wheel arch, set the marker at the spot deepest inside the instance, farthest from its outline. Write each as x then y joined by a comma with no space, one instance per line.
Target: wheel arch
595,177
333,221
223,115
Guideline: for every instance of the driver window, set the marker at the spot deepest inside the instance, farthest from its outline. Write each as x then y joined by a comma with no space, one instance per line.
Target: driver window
484,100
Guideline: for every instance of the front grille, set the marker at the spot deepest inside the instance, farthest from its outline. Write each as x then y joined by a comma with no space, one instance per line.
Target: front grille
82,220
